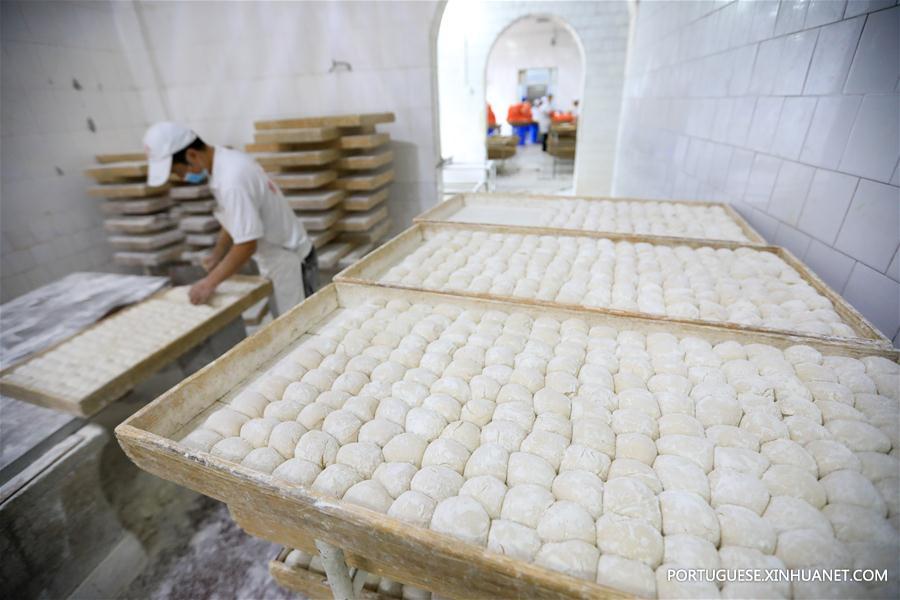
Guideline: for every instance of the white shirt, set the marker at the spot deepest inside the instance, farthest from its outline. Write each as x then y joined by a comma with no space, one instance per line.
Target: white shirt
251,207
543,117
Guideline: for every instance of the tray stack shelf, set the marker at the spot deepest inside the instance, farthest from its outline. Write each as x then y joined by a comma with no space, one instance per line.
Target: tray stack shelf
561,142
194,211
140,226
336,172
771,371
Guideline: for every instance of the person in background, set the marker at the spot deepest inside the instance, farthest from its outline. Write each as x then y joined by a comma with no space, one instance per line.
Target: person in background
257,221
491,120
575,109
542,116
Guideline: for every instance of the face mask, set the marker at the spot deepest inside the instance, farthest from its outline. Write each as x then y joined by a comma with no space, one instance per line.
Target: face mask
200,177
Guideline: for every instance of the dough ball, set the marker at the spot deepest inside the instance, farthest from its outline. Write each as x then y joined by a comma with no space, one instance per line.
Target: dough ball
488,459
363,407
250,403
636,446
483,387
487,490
733,487
677,473
361,456
321,379
525,504
271,386
462,517
741,526
467,434
573,557
513,539
406,447
672,587
477,412
317,447
379,431
854,523
788,480
313,415
226,422
342,425
256,431
335,480
425,423
765,427
626,467
690,552
594,433
549,446
395,477
394,410
790,453
640,400
438,483
630,576
785,513
811,548
412,393
729,436
306,357
201,439
350,382
514,392
285,437
633,539
527,468
233,449
851,487
684,512
582,458
859,436
413,507
874,465
698,450
387,372
741,459
551,401
566,520
680,424
507,434
455,387
519,413
369,494
447,453
297,471
629,497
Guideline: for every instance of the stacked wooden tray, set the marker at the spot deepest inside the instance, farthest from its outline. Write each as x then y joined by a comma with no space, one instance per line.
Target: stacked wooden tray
501,146
194,212
336,172
561,141
141,228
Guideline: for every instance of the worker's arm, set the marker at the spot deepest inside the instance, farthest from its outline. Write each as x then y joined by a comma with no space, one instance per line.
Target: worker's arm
236,258
223,244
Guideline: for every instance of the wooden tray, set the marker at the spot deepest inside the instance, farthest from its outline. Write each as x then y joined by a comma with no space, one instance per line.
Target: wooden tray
365,200
315,200
117,157
296,136
367,182
150,258
354,255
257,288
126,190
329,254
320,238
272,161
190,192
351,120
152,241
136,207
362,221
317,220
528,206
198,224
363,162
304,181
392,253
363,141
117,171
295,516
366,237
201,239
138,224
204,207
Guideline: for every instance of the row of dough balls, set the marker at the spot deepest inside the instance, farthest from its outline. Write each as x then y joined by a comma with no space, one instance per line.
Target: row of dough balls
657,218
744,286
91,359
528,461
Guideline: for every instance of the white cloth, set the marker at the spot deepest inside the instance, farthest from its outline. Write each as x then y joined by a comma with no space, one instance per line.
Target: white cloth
543,118
251,207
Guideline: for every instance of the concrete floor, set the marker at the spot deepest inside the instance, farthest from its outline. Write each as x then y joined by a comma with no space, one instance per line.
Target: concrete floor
531,170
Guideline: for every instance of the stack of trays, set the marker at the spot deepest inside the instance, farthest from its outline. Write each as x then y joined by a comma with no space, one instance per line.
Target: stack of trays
561,143
195,219
141,230
335,172
501,146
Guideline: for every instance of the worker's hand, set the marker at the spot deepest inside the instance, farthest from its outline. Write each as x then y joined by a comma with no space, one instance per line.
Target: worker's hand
209,262
201,291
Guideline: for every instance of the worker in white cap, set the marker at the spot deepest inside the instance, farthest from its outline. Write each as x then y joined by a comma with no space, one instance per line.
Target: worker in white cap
256,219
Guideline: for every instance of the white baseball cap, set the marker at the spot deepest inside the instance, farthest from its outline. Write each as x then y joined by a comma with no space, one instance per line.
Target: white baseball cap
161,141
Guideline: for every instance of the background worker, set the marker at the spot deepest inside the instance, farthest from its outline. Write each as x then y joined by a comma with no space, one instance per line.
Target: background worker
256,220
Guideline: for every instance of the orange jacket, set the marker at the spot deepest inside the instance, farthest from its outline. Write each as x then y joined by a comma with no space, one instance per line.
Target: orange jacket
491,118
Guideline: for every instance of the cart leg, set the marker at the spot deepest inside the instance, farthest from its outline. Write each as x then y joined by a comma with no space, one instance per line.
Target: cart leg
336,570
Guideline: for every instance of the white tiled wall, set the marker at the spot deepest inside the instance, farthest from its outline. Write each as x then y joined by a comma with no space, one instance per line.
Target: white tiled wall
61,66
790,111
468,31
221,65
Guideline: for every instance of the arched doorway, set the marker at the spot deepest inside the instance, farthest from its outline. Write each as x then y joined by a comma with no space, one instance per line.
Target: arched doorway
465,34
